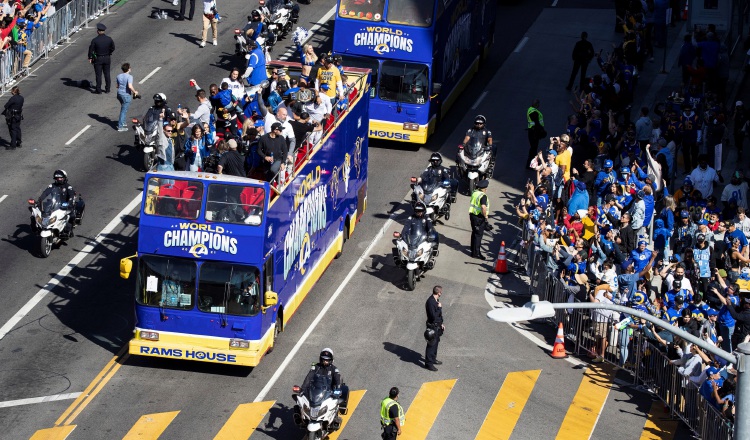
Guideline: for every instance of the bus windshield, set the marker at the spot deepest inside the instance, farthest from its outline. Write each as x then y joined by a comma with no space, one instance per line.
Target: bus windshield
371,10
365,63
227,288
404,82
411,12
235,204
166,282
170,197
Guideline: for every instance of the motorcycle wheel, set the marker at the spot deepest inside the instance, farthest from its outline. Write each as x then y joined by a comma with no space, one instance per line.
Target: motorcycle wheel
472,186
448,213
44,246
411,280
148,161
317,435
276,331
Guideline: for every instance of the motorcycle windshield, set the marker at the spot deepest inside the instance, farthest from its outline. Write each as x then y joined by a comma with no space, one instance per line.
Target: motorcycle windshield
320,390
50,200
429,183
416,235
473,149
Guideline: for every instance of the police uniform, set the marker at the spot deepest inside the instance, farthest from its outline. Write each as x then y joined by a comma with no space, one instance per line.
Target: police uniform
434,322
13,113
389,411
483,137
100,50
477,218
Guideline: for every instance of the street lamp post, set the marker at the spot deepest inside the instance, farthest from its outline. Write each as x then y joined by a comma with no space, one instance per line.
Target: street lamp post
544,309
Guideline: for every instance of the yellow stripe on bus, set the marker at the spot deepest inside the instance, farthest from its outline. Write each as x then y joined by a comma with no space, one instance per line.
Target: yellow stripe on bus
354,398
56,433
150,426
509,403
244,420
425,407
659,426
587,404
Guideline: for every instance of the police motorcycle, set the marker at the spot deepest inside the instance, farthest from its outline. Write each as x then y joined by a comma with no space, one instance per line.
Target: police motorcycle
474,162
282,15
415,250
266,40
319,407
434,193
147,131
51,219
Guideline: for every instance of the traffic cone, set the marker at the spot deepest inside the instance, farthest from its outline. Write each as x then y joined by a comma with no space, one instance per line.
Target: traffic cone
558,350
685,11
501,265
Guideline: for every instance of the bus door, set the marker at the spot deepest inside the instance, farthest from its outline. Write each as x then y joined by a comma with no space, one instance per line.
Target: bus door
268,267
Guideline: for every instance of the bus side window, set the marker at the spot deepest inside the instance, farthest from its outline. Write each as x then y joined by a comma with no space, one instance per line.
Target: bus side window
268,274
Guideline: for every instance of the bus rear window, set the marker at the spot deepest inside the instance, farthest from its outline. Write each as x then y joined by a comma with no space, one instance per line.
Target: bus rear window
235,204
404,82
165,282
173,198
371,10
411,12
229,289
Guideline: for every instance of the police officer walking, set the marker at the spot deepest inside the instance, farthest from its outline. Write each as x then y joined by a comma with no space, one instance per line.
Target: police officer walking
391,415
13,116
478,216
535,128
100,49
435,328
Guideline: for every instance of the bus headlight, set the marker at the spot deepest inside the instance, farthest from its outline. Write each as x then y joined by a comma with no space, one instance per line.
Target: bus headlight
239,343
411,126
151,336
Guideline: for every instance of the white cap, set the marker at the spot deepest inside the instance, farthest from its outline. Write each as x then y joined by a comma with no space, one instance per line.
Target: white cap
738,103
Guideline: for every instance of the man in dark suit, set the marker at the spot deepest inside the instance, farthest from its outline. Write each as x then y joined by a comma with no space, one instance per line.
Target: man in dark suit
583,53
434,322
100,50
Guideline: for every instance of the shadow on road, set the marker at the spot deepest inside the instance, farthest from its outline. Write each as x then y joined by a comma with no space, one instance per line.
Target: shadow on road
404,354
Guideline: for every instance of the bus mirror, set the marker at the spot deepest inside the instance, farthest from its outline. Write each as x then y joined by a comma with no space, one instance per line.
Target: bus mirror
436,88
271,299
126,265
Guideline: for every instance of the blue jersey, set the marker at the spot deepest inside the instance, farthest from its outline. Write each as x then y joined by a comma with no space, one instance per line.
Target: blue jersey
257,61
725,318
702,257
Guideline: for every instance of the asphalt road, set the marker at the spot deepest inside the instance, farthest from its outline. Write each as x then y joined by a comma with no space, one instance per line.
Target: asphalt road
67,342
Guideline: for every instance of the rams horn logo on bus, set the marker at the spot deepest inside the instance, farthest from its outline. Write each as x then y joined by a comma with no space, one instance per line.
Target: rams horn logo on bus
310,217
383,39
199,239
198,250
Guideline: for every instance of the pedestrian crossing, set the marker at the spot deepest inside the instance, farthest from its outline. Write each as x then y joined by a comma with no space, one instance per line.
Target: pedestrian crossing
500,422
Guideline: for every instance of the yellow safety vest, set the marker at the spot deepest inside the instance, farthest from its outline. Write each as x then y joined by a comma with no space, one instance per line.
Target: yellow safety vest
385,406
475,207
528,116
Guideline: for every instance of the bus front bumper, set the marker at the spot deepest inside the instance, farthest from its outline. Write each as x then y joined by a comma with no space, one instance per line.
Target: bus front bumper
395,131
197,348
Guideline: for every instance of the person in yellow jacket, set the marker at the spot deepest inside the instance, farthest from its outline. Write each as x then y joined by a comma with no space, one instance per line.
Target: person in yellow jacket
391,415
478,216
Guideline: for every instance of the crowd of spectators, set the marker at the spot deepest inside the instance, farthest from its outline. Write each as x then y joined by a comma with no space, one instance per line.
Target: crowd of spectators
601,215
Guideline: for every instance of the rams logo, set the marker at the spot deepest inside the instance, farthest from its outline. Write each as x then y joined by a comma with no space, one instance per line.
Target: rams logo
198,249
381,48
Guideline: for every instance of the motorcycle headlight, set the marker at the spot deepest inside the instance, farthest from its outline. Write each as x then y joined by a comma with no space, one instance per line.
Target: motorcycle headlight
420,252
53,220
38,218
404,252
421,196
306,409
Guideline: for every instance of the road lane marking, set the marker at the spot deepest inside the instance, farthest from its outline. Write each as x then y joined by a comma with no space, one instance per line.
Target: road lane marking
56,433
508,405
42,399
310,34
150,426
354,398
583,413
65,271
244,420
83,130
84,403
521,44
149,75
425,407
658,425
5,196
479,100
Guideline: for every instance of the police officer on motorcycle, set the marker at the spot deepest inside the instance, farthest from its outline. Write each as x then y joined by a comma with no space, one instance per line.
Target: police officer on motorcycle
69,196
419,217
154,115
324,367
440,173
482,134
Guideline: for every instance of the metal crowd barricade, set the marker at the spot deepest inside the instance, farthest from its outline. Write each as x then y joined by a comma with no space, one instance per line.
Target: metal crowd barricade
55,30
632,351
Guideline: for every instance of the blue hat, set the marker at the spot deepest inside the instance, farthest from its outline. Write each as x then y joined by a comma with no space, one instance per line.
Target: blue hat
325,86
688,181
21,22
259,123
552,152
710,371
626,264
608,164
712,312
684,214
624,170
640,242
703,221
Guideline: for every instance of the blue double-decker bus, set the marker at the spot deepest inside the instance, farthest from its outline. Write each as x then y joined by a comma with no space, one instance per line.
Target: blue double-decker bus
422,54
223,262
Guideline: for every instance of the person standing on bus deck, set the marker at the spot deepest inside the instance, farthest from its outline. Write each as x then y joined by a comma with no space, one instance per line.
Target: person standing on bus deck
583,53
478,216
100,50
391,415
331,76
535,128
272,148
435,328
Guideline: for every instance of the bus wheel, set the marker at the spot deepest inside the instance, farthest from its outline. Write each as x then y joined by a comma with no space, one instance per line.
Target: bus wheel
276,331
346,237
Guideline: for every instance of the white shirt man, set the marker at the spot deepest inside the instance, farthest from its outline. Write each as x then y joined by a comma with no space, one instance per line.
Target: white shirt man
703,177
318,108
737,190
282,117
742,222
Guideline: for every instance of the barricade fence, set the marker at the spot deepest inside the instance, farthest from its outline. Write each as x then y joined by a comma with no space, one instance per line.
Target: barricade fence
629,349
56,29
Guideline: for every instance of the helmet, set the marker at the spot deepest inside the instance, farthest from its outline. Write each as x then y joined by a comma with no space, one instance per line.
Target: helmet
337,58
326,355
479,119
60,177
420,208
436,157
160,100
429,334
255,15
